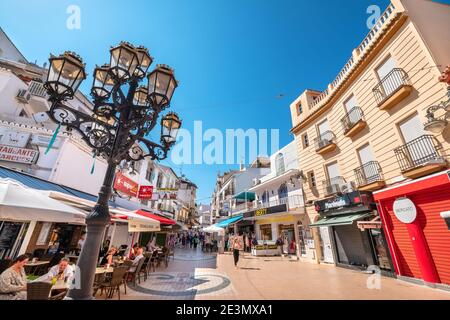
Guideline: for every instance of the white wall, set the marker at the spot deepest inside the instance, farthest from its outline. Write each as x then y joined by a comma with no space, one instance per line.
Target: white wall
73,169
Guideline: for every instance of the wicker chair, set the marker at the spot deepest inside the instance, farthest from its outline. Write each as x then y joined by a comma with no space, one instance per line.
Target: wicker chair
153,261
164,257
114,282
171,253
137,272
38,290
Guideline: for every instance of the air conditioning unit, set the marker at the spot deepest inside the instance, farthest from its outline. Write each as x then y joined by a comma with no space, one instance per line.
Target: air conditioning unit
348,187
256,181
23,96
333,188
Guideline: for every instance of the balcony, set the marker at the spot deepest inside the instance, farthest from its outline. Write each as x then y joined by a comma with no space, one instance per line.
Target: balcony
353,122
392,89
369,177
292,202
334,186
37,89
420,157
325,143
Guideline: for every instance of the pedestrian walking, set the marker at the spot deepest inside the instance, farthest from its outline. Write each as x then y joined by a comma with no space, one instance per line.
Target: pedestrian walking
236,247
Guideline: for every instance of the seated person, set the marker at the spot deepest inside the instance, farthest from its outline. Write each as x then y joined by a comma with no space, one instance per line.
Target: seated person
108,257
139,256
61,271
133,251
13,281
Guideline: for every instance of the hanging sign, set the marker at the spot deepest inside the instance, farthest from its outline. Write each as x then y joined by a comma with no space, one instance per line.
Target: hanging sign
20,155
405,210
145,192
167,194
125,185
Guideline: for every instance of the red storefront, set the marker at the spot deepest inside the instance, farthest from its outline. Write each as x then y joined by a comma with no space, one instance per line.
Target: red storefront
415,218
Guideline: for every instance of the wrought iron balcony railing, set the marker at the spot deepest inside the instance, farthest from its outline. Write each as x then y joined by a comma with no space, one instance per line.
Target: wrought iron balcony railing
324,140
418,152
292,201
369,173
352,118
333,185
390,84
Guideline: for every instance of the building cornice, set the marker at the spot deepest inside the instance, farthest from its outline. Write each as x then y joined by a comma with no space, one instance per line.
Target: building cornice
387,33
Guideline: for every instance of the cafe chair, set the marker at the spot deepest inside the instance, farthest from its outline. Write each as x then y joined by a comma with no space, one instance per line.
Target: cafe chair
114,283
153,261
132,275
38,290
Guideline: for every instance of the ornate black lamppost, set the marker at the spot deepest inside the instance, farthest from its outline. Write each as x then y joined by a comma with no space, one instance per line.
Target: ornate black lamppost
124,113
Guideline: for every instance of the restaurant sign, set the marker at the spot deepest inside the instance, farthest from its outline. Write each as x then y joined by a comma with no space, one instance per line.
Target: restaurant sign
135,225
20,155
125,185
266,211
145,192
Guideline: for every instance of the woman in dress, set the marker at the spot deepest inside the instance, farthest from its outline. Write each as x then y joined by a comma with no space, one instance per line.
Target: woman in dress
13,281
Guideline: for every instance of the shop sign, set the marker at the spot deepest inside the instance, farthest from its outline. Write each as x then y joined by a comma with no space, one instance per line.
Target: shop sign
43,141
266,211
405,210
337,203
125,185
20,155
135,225
145,192
167,194
14,138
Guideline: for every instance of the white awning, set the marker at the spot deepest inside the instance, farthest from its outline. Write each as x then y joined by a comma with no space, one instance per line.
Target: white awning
20,203
136,222
214,229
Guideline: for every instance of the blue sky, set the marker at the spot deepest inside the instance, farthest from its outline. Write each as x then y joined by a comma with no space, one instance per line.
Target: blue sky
233,58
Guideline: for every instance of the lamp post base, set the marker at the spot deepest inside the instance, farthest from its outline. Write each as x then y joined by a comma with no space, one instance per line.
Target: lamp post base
87,262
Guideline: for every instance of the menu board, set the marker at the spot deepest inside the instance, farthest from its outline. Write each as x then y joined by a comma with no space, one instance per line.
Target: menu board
8,234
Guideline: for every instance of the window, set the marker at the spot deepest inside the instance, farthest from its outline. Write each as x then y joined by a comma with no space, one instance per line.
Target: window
305,140
299,109
279,164
137,166
149,173
159,181
283,191
265,197
266,231
23,114
312,180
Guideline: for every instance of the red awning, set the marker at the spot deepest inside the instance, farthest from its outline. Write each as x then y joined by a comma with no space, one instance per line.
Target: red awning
162,220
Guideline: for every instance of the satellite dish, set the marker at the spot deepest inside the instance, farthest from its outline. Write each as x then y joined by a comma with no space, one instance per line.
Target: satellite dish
41,117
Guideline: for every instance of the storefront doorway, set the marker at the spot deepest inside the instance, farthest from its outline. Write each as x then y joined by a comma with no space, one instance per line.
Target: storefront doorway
302,236
380,250
287,233
327,249
11,237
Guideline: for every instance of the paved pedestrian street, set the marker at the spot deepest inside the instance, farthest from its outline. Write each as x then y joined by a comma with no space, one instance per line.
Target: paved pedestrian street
193,275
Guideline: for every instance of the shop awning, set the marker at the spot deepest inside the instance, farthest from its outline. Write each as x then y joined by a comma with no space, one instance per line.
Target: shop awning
226,223
340,220
41,184
136,222
162,220
21,203
249,196
214,229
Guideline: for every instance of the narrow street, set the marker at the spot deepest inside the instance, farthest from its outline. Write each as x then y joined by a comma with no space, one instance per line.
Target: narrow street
194,275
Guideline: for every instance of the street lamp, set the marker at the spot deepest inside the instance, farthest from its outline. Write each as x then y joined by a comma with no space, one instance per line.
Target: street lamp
123,114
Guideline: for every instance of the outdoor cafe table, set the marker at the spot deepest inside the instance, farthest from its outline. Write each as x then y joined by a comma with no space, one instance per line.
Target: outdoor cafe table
34,266
101,270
